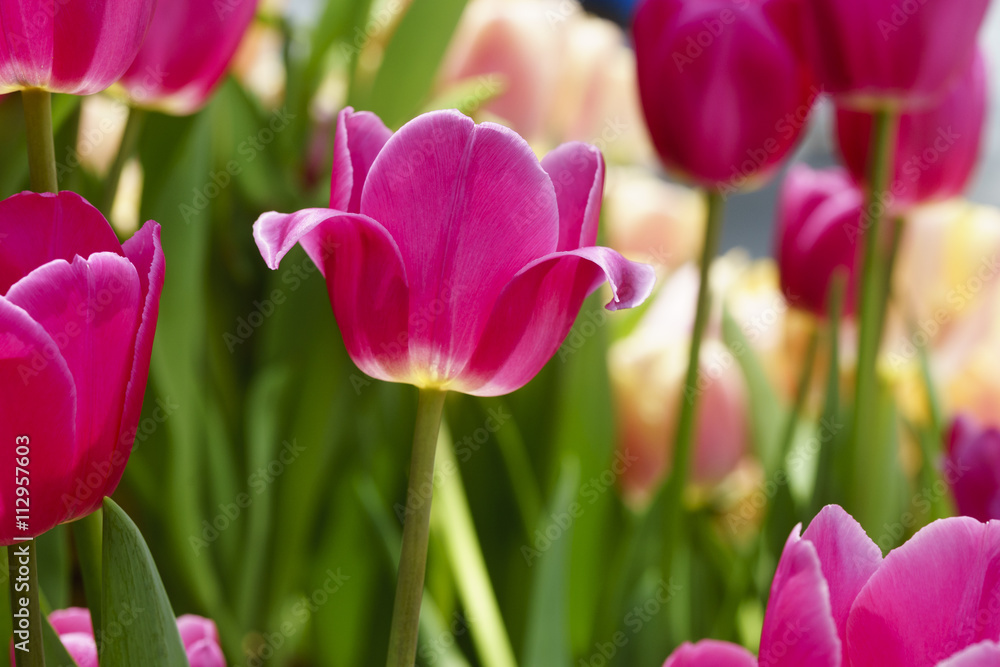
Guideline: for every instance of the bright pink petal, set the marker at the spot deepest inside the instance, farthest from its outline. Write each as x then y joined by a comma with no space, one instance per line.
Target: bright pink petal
933,596
798,626
537,309
69,46
469,206
146,254
205,653
365,279
710,653
39,401
360,137
194,629
38,228
91,309
82,648
983,654
577,172
848,558
73,619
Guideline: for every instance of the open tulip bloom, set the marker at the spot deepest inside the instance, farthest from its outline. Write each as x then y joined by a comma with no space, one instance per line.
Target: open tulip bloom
935,601
77,315
453,259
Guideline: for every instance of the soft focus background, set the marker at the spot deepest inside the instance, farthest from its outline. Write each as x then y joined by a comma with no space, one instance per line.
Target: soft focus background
267,468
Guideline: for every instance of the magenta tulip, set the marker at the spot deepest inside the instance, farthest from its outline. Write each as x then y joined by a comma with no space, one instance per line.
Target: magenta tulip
895,53
935,601
77,315
973,468
74,627
453,259
723,87
819,222
69,46
937,148
186,53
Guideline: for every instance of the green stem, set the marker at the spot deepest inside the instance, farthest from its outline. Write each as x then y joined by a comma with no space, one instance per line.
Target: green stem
130,142
416,530
41,144
872,295
674,489
22,565
89,544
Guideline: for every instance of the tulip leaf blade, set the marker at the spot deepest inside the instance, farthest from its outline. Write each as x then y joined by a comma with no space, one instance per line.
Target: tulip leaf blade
138,625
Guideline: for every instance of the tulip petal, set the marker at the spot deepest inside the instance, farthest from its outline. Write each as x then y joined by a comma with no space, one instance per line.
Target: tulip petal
936,594
537,309
360,137
194,629
71,620
848,558
973,468
577,172
39,402
469,206
38,228
82,648
365,278
798,626
205,653
91,309
983,654
146,254
710,653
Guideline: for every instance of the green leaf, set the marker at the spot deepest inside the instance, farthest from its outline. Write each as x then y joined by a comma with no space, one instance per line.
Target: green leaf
411,60
548,642
56,654
139,626
53,565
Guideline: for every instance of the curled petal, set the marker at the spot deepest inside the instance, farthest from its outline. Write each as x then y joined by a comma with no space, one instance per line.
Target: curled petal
469,206
91,309
39,402
537,309
360,137
577,172
936,594
36,228
798,626
710,653
365,278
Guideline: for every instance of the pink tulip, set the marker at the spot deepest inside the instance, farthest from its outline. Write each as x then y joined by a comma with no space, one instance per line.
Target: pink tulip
973,468
452,257
724,90
74,627
900,53
186,53
68,46
937,149
819,223
77,315
836,603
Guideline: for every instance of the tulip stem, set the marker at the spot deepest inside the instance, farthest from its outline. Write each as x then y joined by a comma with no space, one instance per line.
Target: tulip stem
22,566
41,143
872,297
674,489
128,147
87,535
416,531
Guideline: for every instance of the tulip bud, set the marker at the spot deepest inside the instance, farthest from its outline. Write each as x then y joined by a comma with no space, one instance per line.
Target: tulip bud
69,47
972,468
186,53
937,148
819,223
723,88
900,53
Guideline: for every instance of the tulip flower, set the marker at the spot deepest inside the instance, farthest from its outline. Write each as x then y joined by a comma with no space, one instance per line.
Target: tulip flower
937,148
77,315
890,53
453,259
69,47
973,468
819,222
723,87
186,53
835,602
74,627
